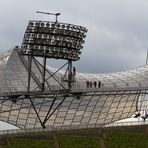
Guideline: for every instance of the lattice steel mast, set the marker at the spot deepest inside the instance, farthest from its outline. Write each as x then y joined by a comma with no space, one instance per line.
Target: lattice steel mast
52,40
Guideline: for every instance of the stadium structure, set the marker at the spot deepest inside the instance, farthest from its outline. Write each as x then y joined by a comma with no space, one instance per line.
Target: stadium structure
33,94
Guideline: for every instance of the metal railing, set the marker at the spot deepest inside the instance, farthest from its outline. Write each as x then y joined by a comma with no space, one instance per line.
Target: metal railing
69,127
47,129
127,123
78,87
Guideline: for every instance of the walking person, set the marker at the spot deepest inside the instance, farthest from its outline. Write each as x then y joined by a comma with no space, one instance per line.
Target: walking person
74,71
95,84
99,84
90,84
87,84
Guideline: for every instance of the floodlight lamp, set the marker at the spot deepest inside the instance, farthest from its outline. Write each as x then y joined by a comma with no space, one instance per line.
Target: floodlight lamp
36,24
31,24
61,37
52,25
58,25
42,24
63,26
68,27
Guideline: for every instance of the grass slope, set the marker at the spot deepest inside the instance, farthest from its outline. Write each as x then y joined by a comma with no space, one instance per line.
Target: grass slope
25,143
127,140
112,140
78,142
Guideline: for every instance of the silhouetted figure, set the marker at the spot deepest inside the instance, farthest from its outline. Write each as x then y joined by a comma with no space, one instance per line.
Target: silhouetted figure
87,84
99,84
90,83
74,71
95,84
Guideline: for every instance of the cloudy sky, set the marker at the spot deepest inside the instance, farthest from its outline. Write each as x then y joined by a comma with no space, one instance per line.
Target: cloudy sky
117,36
117,29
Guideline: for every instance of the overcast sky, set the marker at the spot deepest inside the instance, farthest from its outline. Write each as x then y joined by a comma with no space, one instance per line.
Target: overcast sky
117,29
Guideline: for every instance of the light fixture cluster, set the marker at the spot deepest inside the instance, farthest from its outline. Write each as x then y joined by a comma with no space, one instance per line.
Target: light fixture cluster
53,40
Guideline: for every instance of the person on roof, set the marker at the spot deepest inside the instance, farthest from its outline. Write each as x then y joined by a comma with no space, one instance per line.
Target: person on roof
99,84
74,71
95,84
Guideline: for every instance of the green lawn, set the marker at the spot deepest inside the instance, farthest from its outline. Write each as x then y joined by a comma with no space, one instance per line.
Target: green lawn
25,143
112,140
126,140
78,142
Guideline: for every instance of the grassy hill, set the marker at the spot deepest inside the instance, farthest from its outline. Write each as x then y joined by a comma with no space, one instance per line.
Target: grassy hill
122,138
78,142
126,140
29,143
64,142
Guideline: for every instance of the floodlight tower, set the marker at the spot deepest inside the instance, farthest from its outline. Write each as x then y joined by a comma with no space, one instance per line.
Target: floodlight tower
52,40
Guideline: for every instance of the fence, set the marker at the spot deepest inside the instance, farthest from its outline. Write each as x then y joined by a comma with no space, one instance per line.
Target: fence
65,128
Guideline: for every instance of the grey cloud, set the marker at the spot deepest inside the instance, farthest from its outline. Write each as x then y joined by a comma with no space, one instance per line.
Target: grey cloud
117,36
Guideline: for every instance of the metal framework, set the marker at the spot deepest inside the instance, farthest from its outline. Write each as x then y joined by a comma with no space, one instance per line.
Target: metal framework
59,107
33,94
57,41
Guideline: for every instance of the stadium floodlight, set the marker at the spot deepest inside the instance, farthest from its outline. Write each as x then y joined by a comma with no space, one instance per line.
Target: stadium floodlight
52,40
38,32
